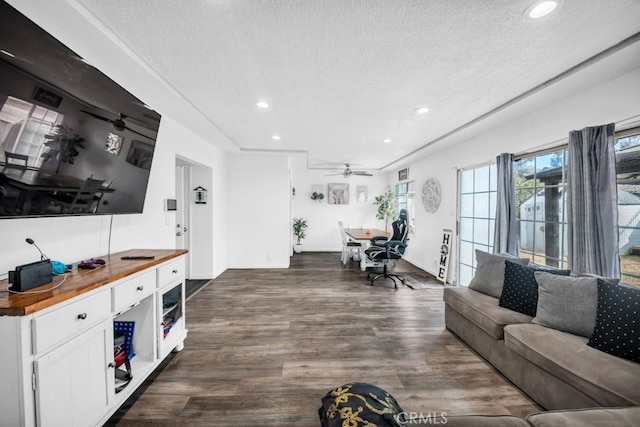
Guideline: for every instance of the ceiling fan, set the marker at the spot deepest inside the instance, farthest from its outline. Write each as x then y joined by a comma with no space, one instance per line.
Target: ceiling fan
118,124
348,172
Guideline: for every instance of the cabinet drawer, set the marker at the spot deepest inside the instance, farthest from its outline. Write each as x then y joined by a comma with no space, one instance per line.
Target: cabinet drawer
171,272
51,329
133,290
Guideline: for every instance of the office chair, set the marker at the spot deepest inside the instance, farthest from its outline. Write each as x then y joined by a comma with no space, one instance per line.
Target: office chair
14,160
389,251
348,246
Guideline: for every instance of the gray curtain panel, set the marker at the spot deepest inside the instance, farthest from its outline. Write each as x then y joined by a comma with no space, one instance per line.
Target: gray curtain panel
505,238
592,202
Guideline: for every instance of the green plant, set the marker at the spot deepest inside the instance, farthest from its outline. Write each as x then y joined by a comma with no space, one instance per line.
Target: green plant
387,207
300,229
63,145
315,196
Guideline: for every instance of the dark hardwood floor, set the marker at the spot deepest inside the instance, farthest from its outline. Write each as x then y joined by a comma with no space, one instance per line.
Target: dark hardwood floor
265,345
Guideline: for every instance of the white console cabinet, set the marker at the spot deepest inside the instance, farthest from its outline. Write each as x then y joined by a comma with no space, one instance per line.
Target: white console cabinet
57,346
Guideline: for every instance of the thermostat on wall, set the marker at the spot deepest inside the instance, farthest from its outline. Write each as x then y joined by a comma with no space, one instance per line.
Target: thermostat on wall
170,205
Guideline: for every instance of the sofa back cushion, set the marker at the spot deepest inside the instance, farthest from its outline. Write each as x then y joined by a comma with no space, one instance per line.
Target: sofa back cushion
567,303
617,328
489,276
520,290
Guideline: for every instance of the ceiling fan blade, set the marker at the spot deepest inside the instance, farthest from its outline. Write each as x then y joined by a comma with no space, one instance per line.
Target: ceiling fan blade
95,116
135,131
361,173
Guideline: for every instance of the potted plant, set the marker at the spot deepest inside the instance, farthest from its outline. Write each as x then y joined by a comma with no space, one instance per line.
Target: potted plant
63,146
317,197
386,207
300,231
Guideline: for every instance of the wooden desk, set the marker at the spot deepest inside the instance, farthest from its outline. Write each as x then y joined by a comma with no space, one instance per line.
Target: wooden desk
364,235
32,182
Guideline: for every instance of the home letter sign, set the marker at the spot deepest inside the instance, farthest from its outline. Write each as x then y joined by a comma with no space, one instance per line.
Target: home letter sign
443,264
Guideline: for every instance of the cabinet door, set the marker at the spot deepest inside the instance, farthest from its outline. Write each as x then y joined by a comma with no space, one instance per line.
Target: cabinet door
74,383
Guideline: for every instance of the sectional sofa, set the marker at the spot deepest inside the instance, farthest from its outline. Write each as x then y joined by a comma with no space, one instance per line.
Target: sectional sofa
544,352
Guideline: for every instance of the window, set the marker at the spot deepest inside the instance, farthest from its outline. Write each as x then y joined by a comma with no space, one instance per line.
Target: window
540,184
628,170
405,198
23,127
477,213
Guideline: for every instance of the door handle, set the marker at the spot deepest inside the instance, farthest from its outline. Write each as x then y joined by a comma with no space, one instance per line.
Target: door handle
184,229
178,234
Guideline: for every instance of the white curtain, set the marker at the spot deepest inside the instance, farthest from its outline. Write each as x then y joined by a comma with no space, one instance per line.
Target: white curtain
592,202
505,238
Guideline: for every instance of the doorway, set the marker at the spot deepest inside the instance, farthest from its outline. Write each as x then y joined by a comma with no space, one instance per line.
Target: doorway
183,217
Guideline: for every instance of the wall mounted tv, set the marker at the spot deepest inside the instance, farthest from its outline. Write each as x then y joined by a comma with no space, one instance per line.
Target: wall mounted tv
72,141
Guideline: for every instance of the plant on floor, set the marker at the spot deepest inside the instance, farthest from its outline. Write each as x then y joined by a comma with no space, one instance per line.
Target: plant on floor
317,197
387,207
300,231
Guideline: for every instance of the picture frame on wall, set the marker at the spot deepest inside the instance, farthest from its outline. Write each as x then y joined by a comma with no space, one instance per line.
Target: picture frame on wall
361,193
338,194
403,174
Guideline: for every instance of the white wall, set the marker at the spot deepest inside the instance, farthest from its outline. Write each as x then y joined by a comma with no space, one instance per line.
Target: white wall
71,239
611,101
323,233
258,211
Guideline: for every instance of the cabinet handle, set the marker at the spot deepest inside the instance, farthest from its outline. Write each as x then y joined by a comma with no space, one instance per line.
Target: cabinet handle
139,288
82,316
111,365
175,271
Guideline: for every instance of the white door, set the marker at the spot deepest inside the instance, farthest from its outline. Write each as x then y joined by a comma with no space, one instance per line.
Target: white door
75,383
183,185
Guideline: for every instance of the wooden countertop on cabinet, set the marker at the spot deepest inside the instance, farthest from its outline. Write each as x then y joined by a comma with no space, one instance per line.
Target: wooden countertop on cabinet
78,281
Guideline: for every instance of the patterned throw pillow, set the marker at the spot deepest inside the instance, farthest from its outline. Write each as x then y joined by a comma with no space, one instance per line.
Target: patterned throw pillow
360,404
520,291
489,276
617,329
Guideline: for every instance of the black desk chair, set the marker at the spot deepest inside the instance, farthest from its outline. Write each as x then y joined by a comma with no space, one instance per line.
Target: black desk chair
389,251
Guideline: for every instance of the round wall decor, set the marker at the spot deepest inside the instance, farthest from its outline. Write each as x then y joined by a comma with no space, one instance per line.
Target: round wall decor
431,194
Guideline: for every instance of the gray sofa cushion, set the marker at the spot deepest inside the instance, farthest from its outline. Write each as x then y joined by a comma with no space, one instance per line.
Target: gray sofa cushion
489,276
469,421
567,303
619,417
482,310
609,380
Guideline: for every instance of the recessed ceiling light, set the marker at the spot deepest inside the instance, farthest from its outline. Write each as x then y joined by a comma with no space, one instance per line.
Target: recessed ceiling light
540,9
388,141
421,110
276,137
262,104
7,53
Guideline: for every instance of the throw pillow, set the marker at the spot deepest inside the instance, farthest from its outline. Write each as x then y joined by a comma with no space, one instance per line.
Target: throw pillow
567,303
489,276
520,291
360,404
617,329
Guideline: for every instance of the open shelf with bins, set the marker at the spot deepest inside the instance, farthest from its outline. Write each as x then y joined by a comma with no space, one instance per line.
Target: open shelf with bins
144,343
172,329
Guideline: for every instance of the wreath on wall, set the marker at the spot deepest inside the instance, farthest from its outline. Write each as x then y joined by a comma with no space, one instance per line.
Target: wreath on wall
431,194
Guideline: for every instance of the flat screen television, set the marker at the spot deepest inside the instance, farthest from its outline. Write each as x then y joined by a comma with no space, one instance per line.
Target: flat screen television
72,141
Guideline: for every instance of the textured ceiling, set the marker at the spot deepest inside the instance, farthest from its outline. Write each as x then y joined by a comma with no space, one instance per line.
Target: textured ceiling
342,75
